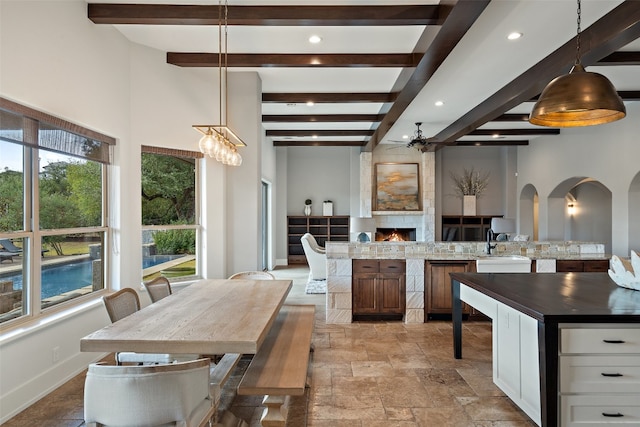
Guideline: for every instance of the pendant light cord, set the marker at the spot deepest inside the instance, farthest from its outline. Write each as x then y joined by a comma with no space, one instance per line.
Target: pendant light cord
220,58
578,34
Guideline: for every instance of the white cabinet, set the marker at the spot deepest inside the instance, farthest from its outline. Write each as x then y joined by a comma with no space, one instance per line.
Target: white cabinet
515,359
599,375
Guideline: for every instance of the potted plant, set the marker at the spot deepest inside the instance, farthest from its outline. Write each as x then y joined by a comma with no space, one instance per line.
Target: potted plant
307,207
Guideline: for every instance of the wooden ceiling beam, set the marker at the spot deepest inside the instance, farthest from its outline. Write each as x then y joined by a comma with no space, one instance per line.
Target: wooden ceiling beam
610,33
512,132
176,14
491,143
321,118
323,132
351,60
512,118
620,58
330,97
458,21
299,143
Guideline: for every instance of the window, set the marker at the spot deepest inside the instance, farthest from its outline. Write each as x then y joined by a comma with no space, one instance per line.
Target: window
53,176
170,229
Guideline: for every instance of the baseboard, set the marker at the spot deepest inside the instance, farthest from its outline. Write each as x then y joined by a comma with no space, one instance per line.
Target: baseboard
281,262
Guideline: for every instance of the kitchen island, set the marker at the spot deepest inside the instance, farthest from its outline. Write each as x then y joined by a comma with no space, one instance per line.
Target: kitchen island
566,346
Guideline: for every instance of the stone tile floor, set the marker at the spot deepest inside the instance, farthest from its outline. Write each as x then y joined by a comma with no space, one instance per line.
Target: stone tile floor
366,374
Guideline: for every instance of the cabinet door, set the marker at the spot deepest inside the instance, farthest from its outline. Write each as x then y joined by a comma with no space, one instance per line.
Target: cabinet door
364,293
438,286
596,266
391,293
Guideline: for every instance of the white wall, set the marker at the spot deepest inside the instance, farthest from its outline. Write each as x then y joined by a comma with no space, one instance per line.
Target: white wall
607,153
54,59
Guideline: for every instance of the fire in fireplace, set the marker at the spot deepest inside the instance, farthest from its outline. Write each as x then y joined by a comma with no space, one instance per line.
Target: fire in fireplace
395,234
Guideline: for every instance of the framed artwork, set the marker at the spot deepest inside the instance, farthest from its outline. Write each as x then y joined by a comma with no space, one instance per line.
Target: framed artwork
397,187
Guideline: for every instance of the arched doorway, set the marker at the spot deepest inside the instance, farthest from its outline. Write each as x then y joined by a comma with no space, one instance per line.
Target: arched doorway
634,213
529,211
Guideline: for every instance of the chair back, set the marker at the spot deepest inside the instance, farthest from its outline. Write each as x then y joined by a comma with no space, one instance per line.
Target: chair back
148,395
253,275
316,257
122,303
158,288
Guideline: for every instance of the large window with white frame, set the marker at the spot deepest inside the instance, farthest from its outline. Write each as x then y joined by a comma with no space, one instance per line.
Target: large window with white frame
53,178
170,223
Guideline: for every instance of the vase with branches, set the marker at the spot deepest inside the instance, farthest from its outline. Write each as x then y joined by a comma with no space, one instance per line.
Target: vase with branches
470,182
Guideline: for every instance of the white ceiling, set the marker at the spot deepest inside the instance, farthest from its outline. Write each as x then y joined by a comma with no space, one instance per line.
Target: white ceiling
482,63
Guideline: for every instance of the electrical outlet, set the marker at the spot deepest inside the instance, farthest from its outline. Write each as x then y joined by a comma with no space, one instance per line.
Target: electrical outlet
56,354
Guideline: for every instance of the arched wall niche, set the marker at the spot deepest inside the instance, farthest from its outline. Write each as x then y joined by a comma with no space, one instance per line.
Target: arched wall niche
634,213
590,217
528,218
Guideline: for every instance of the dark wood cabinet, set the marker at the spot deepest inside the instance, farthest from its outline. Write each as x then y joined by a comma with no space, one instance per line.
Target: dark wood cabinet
587,266
323,228
466,228
378,287
437,286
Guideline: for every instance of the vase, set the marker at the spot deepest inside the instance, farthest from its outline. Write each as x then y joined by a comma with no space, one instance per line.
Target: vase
469,205
307,210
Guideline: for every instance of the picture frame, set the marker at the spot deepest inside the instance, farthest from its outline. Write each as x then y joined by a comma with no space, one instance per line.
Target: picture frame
397,187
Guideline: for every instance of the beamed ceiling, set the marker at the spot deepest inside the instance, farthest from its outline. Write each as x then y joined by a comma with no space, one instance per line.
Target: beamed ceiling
381,65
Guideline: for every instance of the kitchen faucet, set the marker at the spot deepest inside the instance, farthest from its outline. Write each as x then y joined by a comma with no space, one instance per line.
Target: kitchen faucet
489,245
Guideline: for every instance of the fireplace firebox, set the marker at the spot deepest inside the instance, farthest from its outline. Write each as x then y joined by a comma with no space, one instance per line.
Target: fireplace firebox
395,234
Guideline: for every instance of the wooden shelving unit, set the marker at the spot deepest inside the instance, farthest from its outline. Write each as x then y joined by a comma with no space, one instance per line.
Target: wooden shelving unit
324,229
467,228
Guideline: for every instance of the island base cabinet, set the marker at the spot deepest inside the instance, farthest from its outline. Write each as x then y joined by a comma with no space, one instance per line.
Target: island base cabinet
594,410
515,359
378,288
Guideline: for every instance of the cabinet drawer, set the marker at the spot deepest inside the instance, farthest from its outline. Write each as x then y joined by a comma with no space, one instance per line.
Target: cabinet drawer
392,266
600,340
579,411
365,266
569,266
600,374
596,266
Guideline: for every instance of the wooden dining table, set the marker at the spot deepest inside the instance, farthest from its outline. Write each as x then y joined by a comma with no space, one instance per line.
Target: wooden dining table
208,317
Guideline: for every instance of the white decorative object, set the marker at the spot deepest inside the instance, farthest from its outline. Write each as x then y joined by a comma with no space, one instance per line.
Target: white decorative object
468,205
307,210
624,274
327,208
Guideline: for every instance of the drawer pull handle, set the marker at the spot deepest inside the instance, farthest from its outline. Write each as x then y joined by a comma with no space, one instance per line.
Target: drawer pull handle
616,415
614,341
604,374
392,266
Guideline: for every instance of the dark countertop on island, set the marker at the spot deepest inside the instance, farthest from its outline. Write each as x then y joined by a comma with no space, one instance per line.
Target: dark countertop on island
561,297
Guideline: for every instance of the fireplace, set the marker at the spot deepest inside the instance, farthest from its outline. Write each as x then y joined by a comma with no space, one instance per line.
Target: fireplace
395,234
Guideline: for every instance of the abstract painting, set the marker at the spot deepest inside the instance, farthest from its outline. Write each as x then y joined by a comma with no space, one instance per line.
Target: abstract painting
397,187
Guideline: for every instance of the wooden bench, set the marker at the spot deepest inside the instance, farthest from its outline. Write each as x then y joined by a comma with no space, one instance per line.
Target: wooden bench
279,369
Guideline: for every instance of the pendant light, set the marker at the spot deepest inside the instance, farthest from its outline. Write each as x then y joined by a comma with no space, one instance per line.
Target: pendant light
219,141
580,98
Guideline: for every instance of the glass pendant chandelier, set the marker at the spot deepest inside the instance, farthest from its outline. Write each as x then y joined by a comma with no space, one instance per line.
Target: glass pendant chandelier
580,98
219,141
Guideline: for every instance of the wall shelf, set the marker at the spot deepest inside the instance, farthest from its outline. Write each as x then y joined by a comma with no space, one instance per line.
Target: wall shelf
458,228
324,228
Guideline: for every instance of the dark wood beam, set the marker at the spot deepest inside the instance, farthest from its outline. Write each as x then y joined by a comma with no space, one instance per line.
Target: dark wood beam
512,118
299,143
460,18
329,97
351,60
492,143
324,132
610,33
512,132
172,14
620,58
311,118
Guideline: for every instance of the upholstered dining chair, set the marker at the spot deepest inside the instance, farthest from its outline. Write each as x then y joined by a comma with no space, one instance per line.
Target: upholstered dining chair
158,288
121,304
253,275
316,257
167,395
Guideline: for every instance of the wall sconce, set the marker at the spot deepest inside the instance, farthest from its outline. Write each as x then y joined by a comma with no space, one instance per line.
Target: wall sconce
571,209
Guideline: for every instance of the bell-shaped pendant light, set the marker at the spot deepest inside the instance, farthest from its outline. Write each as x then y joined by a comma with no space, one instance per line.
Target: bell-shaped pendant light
580,98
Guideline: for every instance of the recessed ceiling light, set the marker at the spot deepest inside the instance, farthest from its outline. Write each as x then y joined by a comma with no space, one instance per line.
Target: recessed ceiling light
315,39
314,136
495,136
439,103
310,103
405,136
514,36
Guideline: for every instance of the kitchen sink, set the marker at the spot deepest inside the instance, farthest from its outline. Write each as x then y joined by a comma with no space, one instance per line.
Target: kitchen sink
503,264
